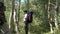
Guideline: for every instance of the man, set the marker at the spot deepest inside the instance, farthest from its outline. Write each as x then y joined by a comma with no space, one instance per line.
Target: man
25,19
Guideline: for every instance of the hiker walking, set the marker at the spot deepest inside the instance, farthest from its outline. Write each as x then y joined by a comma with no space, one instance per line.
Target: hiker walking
27,19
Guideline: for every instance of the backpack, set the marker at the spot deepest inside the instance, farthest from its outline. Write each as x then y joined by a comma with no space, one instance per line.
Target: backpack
30,17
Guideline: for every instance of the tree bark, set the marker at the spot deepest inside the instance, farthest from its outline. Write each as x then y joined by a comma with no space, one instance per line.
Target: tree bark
51,28
17,18
56,15
12,18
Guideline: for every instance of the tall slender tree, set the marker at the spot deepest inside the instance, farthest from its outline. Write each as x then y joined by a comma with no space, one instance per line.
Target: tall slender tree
56,15
12,17
17,17
49,17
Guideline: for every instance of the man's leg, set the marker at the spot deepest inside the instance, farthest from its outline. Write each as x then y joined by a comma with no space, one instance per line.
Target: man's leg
26,28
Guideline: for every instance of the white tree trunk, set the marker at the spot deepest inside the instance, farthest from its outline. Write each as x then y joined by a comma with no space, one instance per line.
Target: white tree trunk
15,23
10,19
55,16
16,17
51,28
